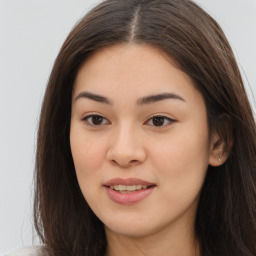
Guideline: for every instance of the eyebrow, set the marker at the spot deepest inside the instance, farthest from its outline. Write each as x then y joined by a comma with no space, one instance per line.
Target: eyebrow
158,97
142,101
95,97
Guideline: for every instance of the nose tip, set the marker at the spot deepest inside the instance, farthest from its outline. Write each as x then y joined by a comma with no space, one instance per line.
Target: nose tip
126,151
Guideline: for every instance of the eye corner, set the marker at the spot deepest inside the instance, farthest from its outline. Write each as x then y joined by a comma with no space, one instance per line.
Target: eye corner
95,120
160,121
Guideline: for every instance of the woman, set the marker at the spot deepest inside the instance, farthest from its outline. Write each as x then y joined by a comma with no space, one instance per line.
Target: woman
147,142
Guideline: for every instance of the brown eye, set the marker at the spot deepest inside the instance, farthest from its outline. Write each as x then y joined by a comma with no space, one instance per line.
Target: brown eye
160,121
95,120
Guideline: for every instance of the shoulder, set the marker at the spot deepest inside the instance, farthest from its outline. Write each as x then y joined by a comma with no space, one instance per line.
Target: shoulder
28,251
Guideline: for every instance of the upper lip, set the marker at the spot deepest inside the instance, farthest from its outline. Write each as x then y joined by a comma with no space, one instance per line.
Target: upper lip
127,182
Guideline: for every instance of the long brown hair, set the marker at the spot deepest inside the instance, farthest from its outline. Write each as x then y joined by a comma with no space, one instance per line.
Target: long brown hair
226,218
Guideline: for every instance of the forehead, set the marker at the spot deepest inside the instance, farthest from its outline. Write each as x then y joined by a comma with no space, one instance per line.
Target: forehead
131,68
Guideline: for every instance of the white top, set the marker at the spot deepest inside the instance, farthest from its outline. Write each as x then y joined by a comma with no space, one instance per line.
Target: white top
27,251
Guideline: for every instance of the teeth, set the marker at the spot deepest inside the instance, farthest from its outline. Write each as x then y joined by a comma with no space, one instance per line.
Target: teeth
131,188
128,188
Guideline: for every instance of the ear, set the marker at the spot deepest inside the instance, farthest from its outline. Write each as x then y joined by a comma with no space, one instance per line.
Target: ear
217,154
221,141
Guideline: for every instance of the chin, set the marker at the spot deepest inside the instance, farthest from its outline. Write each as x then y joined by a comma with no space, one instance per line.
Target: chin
133,227
132,232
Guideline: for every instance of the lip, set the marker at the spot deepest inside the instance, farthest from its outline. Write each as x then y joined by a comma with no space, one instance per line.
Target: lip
127,182
129,197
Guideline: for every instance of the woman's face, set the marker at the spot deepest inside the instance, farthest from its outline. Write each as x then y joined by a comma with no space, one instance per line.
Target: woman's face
139,141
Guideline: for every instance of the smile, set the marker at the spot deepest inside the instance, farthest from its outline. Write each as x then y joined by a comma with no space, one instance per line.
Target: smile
128,191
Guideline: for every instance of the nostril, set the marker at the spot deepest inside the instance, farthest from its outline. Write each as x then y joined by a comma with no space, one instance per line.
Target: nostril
124,164
133,161
114,162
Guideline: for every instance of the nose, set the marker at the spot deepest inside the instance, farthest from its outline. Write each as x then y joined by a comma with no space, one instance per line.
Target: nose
126,148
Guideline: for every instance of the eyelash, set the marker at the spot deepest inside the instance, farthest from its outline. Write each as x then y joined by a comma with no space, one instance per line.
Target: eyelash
90,123
163,119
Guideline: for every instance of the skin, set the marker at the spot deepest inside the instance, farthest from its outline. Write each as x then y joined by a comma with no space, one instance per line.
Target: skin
126,142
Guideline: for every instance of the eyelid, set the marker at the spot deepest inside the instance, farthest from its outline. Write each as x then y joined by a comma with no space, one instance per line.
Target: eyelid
88,116
169,119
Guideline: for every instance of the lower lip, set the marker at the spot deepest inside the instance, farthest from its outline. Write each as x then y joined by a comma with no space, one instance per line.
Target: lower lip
129,197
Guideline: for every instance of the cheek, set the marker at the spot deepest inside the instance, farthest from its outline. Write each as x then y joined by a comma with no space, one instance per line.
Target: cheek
88,157
181,162
88,153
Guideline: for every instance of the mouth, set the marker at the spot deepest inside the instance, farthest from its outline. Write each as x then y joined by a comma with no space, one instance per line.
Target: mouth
128,191
130,188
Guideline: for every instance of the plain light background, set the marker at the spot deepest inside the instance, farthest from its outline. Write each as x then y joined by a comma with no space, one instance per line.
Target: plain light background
31,34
